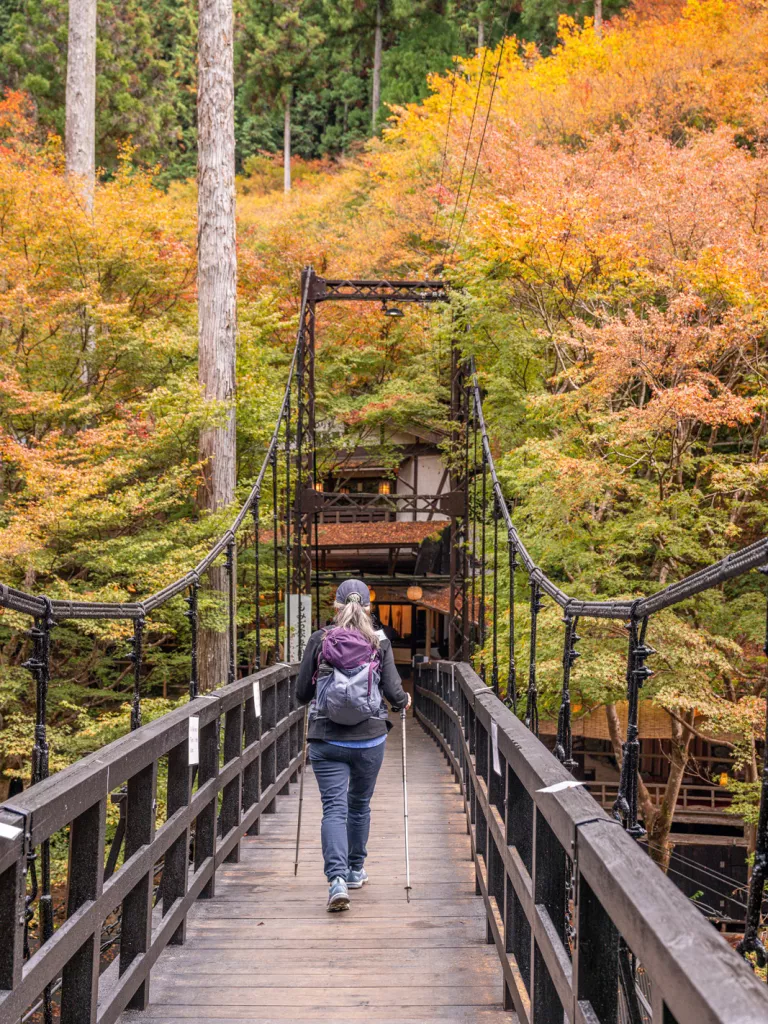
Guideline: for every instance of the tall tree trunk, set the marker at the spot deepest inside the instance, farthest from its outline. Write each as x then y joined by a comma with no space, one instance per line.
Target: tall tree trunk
287,143
80,128
599,18
217,287
659,846
377,48
480,34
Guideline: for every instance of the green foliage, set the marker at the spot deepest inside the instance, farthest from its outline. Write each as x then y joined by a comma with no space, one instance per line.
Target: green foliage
144,73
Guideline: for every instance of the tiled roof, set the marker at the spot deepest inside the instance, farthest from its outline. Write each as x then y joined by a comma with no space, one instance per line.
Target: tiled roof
440,601
376,535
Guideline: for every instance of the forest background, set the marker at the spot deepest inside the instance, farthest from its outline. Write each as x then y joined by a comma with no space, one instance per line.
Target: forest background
604,219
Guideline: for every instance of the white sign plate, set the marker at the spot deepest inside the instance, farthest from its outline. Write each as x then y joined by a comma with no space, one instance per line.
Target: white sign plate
257,699
9,831
194,740
560,786
295,603
495,745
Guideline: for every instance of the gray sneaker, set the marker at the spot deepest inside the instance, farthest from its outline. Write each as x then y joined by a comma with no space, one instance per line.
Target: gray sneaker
356,879
338,897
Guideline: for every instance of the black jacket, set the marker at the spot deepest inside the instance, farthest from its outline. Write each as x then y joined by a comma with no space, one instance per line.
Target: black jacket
321,728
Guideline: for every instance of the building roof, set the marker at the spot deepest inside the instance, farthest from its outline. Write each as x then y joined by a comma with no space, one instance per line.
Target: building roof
440,601
376,535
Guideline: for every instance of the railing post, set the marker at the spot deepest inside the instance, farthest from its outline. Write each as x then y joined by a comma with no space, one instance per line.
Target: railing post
283,742
520,827
257,583
205,828
276,570
80,977
136,928
532,704
191,614
596,967
252,771
511,697
549,892
13,887
495,627
564,744
176,864
269,755
232,796
135,655
40,667
751,942
229,565
484,511
288,521
625,807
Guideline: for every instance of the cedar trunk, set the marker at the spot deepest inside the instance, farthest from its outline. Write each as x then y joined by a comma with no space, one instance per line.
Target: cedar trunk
377,49
80,128
216,284
598,18
480,34
287,144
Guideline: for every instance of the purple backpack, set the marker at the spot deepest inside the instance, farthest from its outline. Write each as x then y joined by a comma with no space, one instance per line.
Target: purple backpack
350,693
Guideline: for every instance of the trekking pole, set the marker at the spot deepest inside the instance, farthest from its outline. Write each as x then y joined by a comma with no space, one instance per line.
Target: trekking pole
301,789
405,817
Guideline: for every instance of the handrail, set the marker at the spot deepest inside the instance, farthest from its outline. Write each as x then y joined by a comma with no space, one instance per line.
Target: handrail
31,604
261,755
567,892
638,612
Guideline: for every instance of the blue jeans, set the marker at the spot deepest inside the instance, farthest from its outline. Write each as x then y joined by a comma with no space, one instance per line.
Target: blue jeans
346,778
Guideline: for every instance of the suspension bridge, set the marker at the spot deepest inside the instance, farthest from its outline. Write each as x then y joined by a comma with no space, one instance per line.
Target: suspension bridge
530,901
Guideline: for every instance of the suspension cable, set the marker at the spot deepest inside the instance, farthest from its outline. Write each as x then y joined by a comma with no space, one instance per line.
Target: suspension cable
469,136
482,137
454,75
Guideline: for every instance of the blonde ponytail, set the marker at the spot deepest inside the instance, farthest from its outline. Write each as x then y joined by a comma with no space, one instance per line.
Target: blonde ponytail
353,615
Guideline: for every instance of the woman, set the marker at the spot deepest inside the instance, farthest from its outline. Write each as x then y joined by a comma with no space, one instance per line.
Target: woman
348,726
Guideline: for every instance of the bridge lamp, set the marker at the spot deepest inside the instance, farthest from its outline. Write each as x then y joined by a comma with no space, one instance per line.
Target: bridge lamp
391,310
414,593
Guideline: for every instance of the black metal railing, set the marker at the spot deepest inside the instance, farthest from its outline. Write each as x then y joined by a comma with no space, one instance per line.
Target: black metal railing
286,442
636,615
586,927
225,758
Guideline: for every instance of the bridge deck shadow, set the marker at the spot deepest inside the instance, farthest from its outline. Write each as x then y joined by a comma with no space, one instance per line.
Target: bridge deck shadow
264,949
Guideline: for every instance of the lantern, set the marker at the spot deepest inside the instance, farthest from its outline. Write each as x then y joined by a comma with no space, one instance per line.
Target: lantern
414,593
319,486
372,594
385,487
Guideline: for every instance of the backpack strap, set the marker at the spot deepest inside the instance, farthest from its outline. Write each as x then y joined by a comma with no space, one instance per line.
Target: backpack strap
325,630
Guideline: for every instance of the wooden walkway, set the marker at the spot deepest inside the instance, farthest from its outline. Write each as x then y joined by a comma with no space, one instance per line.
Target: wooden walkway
265,949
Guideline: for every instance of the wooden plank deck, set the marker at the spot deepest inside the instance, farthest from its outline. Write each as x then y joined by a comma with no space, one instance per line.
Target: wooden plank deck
265,949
